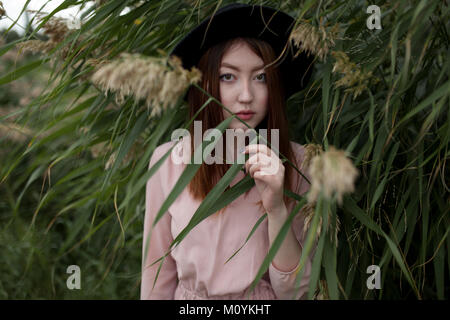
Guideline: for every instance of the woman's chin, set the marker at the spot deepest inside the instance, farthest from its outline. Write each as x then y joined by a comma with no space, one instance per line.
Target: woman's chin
241,128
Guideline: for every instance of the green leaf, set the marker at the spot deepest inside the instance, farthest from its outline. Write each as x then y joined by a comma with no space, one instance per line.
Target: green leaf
316,266
185,178
276,245
136,187
20,72
127,143
190,171
263,217
329,262
438,93
203,211
350,205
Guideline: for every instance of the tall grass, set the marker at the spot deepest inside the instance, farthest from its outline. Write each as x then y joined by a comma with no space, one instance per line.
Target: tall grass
73,191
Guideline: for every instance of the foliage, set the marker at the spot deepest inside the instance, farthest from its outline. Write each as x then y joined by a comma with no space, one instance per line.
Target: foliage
73,191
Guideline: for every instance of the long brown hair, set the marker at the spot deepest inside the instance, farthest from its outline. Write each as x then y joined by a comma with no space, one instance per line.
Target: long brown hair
209,174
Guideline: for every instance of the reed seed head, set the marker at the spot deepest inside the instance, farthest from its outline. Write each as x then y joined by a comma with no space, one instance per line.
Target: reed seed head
333,173
2,10
354,79
314,40
56,29
159,81
311,150
309,212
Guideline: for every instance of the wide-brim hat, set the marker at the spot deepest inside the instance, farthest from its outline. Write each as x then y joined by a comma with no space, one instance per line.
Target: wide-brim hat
256,21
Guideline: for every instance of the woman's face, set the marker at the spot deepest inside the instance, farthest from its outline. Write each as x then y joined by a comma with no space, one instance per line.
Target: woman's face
243,85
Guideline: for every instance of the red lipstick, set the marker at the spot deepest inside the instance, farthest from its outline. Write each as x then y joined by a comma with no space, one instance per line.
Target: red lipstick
245,115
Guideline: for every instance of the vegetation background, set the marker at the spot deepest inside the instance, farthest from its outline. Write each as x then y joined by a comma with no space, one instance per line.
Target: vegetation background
74,159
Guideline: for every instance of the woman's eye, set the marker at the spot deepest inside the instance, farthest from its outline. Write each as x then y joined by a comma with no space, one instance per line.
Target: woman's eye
226,76
262,77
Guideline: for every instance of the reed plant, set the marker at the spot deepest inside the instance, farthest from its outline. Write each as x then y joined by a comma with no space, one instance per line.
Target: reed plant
374,119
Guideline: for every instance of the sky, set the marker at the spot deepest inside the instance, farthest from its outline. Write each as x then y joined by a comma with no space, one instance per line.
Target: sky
14,7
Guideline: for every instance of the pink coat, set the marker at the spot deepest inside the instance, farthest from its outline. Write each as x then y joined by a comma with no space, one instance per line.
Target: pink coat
196,268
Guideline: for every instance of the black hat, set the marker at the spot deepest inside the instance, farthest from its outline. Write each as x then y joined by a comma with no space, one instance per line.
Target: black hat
241,20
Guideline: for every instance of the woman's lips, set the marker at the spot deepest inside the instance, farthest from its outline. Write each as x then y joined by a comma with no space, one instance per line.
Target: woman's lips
245,116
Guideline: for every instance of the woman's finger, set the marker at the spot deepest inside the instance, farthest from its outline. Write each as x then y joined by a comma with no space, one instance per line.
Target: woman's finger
258,158
255,148
254,168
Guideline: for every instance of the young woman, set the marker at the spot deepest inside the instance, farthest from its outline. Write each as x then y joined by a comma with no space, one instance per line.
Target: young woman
238,51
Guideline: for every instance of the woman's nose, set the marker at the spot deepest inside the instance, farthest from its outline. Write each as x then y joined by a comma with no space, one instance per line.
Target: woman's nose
245,94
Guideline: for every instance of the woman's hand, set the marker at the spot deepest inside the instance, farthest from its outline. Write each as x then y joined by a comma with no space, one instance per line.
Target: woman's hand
268,171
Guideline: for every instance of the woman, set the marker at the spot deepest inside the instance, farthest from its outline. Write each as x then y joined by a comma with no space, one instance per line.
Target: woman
238,51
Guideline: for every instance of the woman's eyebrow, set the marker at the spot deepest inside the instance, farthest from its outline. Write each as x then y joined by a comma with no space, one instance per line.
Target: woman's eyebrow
224,64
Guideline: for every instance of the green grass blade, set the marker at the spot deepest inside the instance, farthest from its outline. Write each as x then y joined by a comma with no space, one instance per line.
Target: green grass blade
263,217
276,245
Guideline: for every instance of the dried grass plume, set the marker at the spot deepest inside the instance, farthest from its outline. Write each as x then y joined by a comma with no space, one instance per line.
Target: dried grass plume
308,211
311,150
333,173
55,28
353,77
313,40
2,10
159,81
